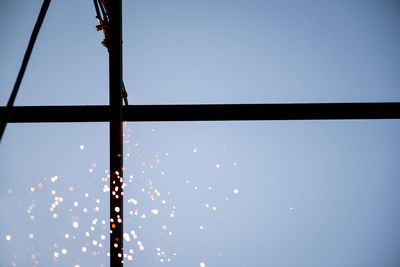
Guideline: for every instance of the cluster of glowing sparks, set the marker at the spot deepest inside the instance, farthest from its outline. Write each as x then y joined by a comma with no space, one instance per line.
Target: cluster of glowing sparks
88,231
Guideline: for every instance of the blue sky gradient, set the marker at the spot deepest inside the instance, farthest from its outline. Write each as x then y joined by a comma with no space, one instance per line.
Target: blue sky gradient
309,193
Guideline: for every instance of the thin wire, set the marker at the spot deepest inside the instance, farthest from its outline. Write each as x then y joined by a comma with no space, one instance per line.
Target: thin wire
97,9
104,13
25,61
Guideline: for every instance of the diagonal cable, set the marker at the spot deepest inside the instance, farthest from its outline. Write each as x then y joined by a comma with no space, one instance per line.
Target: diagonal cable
25,61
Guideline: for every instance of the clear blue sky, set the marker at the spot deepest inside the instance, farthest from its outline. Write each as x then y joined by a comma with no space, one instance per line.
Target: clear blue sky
316,193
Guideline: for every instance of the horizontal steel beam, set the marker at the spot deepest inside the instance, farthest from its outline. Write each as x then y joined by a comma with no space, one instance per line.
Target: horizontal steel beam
223,112
325,111
23,114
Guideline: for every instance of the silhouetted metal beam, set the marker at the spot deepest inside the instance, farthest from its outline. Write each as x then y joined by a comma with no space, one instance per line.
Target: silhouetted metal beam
229,112
116,133
37,114
317,111
28,52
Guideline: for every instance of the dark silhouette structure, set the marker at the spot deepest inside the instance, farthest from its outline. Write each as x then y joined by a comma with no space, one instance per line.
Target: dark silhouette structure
115,113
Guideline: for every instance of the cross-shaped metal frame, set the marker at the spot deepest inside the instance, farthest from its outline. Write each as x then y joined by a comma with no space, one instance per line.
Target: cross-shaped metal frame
115,113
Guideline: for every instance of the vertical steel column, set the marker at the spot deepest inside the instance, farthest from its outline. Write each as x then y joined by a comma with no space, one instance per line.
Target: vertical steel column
116,142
